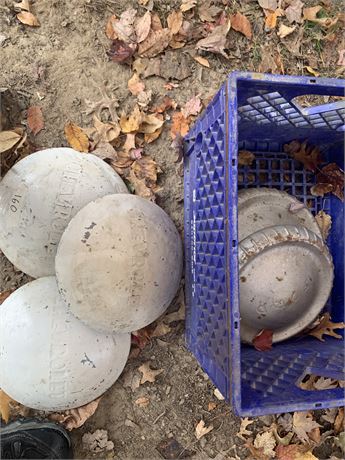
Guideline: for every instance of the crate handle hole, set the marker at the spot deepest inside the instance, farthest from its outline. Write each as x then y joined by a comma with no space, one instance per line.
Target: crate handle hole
233,162
318,405
236,324
312,80
233,243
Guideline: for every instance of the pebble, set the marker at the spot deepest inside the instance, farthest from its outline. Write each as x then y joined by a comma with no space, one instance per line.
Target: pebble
167,390
203,442
131,424
3,38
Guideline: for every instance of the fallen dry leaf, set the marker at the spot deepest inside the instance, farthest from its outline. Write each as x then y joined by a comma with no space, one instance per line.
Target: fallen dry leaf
121,51
330,415
192,107
310,14
211,406
266,442
175,65
284,30
150,123
105,132
187,5
166,104
341,60
201,429
339,421
5,294
245,158
27,18
75,418
326,327
105,151
293,452
271,19
174,21
302,424
109,28
131,123
97,442
23,5
35,119
243,428
257,454
268,4
324,221
215,42
144,98
5,402
241,24
312,71
155,43
142,402
8,139
142,27
332,175
123,27
149,375
202,61
151,137
156,23
161,329
263,341
176,44
323,383
309,155
178,315
321,189
208,12
294,12
76,137
135,85
180,125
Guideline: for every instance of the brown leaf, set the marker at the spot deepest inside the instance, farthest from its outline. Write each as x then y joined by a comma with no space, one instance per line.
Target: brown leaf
321,189
323,383
326,327
293,452
144,98
109,28
76,137
310,14
156,23
161,329
166,104
265,441
208,12
5,402
175,44
211,406
155,43
268,4
263,341
312,71
142,402
75,418
121,51
243,428
324,221
192,107
174,21
178,315
187,5
105,132
151,137
135,85
5,294
124,26
143,177
341,60
105,151
23,5
175,65
271,19
8,139
268,62
241,24
332,175
150,123
245,158
258,454
307,154
302,424
215,42
129,143
27,18
202,61
201,429
284,30
149,375
294,12
131,123
139,65
180,125
339,421
143,27
35,119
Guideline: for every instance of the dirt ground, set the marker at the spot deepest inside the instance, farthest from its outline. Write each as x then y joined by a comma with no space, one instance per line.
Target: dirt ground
59,66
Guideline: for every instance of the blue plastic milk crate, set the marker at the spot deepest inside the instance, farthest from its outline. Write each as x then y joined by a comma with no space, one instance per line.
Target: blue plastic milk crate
259,113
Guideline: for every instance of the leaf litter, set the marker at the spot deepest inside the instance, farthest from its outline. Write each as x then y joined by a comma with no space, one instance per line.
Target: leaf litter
326,327
75,418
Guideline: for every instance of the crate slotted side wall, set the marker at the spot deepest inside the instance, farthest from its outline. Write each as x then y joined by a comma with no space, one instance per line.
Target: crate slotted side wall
256,113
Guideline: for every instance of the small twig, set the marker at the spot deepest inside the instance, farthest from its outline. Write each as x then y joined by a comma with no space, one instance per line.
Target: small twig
159,416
